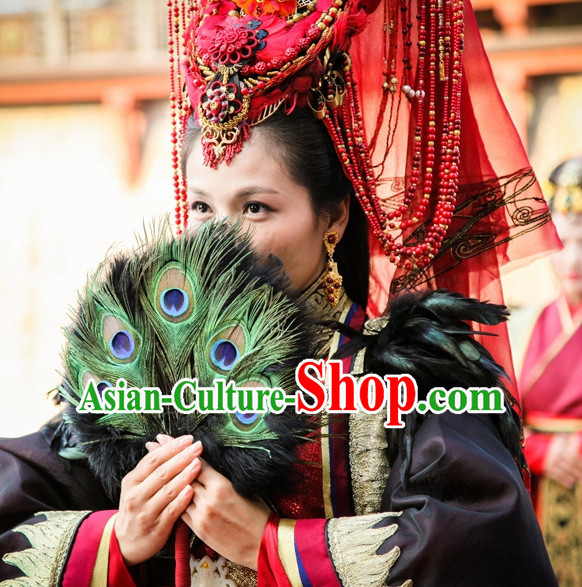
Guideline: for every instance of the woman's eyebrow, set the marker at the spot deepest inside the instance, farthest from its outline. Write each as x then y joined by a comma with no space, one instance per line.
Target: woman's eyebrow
242,194
197,191
253,190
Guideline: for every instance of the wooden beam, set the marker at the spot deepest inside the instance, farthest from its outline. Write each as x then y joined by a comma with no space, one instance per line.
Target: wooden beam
491,4
539,61
141,87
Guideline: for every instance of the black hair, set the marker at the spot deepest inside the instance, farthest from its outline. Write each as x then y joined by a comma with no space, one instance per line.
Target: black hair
305,145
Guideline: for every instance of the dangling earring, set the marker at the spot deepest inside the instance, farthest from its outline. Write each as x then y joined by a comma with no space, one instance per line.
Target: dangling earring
332,280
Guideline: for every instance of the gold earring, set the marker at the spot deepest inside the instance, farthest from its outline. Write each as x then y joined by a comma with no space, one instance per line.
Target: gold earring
332,280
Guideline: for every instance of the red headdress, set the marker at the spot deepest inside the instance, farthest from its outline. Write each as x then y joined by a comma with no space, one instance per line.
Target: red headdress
413,111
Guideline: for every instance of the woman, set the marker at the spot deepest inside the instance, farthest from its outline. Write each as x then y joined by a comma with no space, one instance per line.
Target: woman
285,219
460,515
549,384
407,528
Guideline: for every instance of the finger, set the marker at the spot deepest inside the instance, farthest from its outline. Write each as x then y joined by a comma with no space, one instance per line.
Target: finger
170,490
172,468
574,468
177,506
161,439
164,438
187,516
208,475
157,457
561,473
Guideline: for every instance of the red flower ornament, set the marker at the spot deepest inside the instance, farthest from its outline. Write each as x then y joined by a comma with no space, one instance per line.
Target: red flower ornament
233,44
282,8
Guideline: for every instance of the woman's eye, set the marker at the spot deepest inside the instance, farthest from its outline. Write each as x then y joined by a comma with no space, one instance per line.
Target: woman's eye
200,207
256,208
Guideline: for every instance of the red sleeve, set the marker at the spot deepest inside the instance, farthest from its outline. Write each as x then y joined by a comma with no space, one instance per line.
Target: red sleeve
117,573
83,554
536,449
79,567
294,553
270,570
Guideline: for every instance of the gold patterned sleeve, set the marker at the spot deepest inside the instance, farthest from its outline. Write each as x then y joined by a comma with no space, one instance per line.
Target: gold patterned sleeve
354,543
50,535
44,501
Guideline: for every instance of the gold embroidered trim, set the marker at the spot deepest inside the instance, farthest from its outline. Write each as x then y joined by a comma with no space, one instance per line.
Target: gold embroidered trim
205,572
286,551
242,576
369,465
316,300
561,523
50,541
353,543
326,469
99,576
325,428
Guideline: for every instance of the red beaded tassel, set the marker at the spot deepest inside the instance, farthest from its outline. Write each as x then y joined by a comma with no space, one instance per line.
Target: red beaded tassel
180,109
412,233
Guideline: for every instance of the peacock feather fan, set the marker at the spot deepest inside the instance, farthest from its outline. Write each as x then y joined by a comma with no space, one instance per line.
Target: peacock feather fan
198,306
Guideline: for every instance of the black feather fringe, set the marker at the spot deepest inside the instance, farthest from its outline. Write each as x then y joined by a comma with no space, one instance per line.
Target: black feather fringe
426,335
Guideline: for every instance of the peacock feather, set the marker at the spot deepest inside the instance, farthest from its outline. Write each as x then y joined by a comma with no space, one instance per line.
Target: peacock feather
198,306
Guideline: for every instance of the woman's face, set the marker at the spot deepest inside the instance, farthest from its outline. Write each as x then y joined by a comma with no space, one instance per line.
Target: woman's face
568,262
277,210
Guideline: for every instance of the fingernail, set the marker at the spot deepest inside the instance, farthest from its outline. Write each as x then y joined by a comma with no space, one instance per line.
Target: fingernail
186,440
163,438
150,446
195,448
194,463
185,490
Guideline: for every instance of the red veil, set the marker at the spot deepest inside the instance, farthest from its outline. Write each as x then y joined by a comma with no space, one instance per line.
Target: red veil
498,197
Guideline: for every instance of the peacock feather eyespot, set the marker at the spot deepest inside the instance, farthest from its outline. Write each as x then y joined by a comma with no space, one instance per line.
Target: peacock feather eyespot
122,345
174,295
224,354
174,301
245,420
122,342
226,348
102,386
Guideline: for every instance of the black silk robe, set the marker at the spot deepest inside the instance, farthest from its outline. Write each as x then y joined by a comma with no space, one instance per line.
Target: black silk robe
466,518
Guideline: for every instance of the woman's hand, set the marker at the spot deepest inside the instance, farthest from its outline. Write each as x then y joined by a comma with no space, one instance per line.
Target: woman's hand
154,495
563,462
230,524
